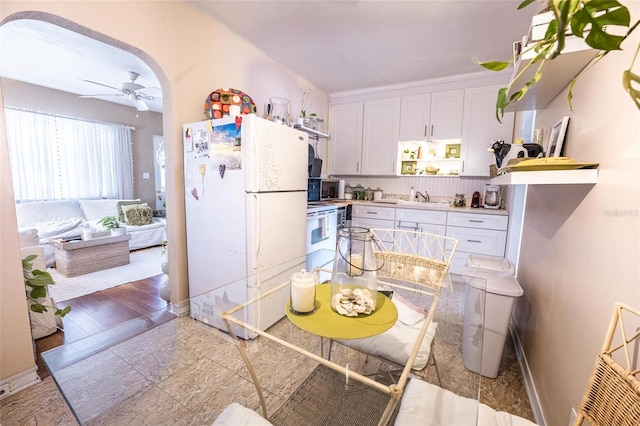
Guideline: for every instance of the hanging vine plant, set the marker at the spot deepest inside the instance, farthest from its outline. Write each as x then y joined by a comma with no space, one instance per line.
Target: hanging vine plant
591,20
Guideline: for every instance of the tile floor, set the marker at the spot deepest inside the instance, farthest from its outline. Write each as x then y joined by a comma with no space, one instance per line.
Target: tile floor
182,372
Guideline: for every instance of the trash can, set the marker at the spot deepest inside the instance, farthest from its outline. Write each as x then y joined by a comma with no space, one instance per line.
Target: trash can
483,341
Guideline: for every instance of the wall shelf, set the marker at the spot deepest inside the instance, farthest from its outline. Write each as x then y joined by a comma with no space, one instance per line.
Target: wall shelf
549,177
557,75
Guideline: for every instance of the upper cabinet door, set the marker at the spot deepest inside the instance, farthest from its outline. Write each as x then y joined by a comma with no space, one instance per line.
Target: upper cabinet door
380,136
345,145
446,115
480,127
414,119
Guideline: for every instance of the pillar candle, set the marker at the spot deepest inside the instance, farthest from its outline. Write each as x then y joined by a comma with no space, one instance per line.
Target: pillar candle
303,292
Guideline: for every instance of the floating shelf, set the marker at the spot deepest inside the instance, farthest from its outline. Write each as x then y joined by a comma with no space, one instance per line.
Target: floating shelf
549,177
557,74
314,134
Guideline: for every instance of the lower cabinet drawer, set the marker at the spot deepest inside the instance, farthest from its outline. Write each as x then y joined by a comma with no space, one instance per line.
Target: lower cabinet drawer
372,212
478,220
479,241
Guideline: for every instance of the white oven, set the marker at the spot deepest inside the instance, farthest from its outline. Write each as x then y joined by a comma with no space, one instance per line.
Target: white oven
322,228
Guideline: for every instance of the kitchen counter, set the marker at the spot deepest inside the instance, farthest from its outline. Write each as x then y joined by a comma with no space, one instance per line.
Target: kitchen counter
426,206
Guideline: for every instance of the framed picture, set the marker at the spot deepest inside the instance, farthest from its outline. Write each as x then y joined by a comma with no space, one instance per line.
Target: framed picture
556,139
409,167
452,150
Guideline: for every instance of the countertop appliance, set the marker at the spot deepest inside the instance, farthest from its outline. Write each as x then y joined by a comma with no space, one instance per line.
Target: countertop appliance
475,200
323,189
245,197
492,196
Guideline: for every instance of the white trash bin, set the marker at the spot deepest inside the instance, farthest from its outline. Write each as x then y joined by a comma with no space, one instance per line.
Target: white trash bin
483,344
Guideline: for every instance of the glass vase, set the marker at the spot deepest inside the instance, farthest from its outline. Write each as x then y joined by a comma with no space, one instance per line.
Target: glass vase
354,283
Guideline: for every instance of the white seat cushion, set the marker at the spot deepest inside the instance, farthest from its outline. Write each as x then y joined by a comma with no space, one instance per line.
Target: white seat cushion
237,415
397,343
429,405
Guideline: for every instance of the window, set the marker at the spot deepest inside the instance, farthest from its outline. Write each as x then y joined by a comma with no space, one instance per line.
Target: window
55,157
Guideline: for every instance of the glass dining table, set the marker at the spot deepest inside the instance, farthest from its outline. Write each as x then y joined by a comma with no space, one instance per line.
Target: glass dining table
166,369
340,382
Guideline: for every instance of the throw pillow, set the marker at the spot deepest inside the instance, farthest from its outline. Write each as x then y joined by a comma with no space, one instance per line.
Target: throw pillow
137,215
127,203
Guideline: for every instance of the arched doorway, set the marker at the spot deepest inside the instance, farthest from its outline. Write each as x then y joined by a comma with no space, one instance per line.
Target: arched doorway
83,32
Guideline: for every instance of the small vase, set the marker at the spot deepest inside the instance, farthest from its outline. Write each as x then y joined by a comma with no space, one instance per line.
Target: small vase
164,290
118,231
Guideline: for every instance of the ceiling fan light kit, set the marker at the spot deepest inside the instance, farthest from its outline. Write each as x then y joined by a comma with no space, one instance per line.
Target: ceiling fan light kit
130,89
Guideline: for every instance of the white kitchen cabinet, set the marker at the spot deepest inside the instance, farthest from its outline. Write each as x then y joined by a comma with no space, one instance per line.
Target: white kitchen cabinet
380,137
445,120
477,233
428,221
480,127
415,113
345,145
373,217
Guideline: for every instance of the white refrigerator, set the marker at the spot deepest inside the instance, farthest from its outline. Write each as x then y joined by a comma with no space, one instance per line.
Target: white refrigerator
246,200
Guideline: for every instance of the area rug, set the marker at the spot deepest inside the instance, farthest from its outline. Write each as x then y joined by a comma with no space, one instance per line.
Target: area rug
144,264
323,399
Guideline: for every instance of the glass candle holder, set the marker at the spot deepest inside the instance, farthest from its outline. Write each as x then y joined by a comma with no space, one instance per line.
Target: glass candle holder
353,282
303,292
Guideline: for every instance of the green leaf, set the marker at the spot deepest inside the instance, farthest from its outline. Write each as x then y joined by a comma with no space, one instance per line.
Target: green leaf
501,103
628,78
525,3
494,65
38,292
570,93
595,17
36,307
63,312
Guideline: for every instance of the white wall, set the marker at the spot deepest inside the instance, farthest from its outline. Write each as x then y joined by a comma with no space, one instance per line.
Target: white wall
581,243
192,55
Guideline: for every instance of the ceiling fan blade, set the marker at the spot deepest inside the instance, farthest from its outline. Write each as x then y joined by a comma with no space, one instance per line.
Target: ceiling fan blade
141,105
100,84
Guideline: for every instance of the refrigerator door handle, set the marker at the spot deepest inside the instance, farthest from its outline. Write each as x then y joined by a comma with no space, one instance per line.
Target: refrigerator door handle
256,232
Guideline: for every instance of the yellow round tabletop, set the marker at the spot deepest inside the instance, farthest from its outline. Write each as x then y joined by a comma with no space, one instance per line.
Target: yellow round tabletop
328,323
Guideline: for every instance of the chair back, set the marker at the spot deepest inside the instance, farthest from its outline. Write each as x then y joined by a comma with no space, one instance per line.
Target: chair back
612,397
417,257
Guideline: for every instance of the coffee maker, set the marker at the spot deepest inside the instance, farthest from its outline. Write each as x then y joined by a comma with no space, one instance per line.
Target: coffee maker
492,196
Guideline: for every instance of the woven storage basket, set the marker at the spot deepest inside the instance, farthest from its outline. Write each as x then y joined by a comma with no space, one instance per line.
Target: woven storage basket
613,398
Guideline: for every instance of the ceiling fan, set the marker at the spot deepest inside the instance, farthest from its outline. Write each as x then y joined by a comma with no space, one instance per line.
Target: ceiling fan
132,90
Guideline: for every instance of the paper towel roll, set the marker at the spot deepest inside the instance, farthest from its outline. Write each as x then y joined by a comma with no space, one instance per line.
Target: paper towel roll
341,189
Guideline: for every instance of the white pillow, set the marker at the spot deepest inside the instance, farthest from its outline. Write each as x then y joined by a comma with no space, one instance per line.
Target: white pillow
29,237
397,343
97,209
407,312
55,229
237,415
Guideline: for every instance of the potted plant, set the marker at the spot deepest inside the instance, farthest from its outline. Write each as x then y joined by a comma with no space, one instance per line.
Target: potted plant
112,224
598,23
36,282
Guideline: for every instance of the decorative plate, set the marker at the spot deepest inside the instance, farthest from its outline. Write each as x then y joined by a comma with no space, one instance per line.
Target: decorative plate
218,102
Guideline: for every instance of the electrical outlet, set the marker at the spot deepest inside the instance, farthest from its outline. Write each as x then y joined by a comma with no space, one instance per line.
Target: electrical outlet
572,418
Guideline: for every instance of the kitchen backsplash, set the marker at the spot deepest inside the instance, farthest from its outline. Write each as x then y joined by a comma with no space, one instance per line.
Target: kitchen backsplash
436,187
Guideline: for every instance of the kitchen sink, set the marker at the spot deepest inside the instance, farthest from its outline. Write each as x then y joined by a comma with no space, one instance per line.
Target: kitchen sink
426,204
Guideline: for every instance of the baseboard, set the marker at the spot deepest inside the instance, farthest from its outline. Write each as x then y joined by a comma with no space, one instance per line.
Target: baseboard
20,381
526,374
180,309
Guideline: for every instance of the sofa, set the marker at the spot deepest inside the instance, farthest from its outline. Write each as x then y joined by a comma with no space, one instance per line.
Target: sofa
41,221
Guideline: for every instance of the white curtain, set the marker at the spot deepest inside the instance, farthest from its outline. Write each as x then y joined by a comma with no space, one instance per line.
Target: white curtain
60,158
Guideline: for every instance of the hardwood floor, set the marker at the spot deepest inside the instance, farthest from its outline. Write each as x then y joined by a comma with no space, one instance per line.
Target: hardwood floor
106,311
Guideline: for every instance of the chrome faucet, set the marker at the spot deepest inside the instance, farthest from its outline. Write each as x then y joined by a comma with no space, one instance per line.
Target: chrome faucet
425,196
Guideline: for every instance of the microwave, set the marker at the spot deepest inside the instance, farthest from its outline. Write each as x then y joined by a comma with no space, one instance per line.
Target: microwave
322,189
